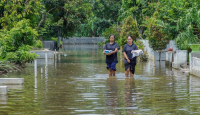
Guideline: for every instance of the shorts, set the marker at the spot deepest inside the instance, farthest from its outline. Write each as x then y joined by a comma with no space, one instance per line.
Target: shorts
131,66
112,66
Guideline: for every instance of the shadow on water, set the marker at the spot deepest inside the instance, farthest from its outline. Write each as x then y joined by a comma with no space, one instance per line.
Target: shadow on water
77,82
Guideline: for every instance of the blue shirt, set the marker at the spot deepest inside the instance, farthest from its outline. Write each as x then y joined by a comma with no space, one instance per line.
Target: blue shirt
111,58
127,49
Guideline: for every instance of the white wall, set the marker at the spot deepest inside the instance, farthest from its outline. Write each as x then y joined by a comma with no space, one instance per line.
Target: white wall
195,63
153,55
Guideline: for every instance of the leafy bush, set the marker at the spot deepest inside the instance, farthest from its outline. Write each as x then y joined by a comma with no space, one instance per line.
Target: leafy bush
38,44
189,28
5,66
139,44
100,43
157,33
129,28
114,29
56,40
17,43
25,56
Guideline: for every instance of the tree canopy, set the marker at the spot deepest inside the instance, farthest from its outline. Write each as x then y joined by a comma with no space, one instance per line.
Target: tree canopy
156,20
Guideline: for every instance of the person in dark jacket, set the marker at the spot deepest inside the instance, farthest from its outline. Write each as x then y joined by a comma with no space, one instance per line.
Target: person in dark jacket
129,62
111,58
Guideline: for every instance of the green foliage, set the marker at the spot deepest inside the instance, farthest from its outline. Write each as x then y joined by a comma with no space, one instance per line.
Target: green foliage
139,9
100,43
22,33
129,28
157,33
38,44
139,44
168,11
17,43
56,40
114,29
4,64
48,28
13,11
68,14
104,13
100,26
24,55
189,27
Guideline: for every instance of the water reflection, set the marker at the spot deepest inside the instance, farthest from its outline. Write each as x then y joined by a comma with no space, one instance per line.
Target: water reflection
3,100
79,84
129,92
35,69
129,95
111,95
15,87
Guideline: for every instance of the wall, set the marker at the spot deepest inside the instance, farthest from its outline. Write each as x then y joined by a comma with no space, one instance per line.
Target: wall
42,53
153,55
83,40
195,63
50,45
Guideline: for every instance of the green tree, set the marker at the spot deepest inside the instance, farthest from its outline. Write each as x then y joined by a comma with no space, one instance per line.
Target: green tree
189,28
128,28
114,29
13,11
67,14
104,13
157,33
139,9
17,43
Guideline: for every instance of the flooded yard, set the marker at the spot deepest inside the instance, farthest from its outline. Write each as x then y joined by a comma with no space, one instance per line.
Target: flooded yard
77,83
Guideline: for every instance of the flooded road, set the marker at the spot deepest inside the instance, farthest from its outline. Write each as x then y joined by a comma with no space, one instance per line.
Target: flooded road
77,83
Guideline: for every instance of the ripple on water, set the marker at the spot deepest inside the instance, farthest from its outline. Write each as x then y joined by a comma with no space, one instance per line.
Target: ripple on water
119,76
79,84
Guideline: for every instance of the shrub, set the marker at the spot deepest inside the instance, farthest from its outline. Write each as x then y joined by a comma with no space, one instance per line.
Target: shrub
129,28
188,27
114,29
17,43
157,33
38,44
56,40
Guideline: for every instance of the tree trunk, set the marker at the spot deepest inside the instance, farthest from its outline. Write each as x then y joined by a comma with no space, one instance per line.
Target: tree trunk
42,20
40,38
44,15
138,28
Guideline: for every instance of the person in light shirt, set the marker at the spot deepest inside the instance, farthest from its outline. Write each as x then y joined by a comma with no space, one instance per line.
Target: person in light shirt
129,62
111,58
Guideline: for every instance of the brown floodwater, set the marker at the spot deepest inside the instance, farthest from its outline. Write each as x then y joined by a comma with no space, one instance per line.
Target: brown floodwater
77,83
